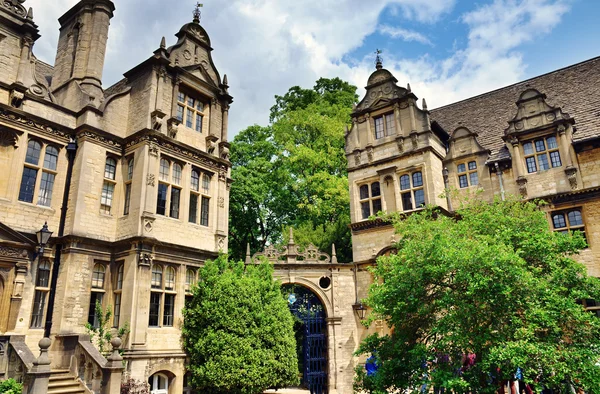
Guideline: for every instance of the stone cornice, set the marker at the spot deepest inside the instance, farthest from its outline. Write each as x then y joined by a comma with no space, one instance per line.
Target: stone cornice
369,224
21,119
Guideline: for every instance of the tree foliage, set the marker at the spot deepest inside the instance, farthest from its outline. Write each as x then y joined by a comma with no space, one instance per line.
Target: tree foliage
496,284
11,386
293,172
238,330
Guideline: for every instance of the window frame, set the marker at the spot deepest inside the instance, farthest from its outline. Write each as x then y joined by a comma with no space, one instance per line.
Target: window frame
45,174
97,293
371,201
533,158
568,227
117,294
163,297
128,172
466,173
191,115
109,185
38,320
169,186
412,190
200,198
386,130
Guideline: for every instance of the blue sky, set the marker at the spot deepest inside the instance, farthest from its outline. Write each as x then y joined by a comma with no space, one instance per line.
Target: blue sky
447,50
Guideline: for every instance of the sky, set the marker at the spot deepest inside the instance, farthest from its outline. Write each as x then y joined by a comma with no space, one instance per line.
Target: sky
448,50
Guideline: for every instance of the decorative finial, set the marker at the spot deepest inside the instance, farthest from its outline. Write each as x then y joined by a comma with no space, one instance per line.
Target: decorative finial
248,258
163,43
424,104
333,254
30,13
197,12
378,60
291,236
225,80
408,87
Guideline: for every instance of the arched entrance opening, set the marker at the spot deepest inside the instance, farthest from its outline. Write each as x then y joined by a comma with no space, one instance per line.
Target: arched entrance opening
159,383
311,336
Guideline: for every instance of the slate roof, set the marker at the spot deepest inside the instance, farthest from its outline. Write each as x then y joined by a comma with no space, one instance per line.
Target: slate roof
576,89
43,71
116,88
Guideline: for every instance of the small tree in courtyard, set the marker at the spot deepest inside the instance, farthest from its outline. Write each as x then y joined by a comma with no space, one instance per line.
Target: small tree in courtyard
480,299
238,330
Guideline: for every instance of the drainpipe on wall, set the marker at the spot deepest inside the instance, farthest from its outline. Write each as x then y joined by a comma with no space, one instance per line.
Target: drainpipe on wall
445,173
499,175
71,150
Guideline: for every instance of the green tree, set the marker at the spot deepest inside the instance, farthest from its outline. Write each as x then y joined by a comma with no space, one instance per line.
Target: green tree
11,386
293,172
496,284
238,330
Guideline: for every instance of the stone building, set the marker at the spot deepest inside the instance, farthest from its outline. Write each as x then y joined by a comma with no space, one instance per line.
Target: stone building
132,180
539,138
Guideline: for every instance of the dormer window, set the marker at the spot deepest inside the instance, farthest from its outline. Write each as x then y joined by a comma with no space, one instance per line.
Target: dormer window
384,126
190,111
411,191
467,174
541,154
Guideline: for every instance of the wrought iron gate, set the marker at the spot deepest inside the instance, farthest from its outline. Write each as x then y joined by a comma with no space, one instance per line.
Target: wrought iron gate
311,333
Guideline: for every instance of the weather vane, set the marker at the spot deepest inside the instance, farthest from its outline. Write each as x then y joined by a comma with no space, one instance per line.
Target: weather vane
197,12
378,59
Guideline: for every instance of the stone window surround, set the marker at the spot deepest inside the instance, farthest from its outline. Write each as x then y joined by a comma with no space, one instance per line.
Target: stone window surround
373,201
128,169
97,293
171,182
412,189
200,195
43,290
41,169
117,293
385,119
535,154
109,185
183,110
567,221
467,173
162,291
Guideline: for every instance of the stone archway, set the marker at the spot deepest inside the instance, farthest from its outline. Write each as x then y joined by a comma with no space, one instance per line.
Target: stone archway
311,336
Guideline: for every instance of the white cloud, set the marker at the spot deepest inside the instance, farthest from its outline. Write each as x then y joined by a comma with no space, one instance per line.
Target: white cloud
267,46
404,34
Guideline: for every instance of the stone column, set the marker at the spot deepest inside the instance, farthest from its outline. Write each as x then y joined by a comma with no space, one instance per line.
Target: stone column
564,145
356,133
139,324
225,122
222,224
333,333
175,94
397,120
413,123
517,160
369,131
40,372
26,44
113,369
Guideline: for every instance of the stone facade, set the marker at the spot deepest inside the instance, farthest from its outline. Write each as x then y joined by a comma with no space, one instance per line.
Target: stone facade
133,180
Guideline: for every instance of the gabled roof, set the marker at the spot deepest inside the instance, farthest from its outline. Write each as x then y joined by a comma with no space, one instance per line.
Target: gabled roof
575,89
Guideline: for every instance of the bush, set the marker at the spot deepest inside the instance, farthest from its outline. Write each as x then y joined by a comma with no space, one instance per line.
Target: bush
11,386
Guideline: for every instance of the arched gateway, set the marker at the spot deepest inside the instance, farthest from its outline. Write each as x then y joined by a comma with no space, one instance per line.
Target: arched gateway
311,336
320,293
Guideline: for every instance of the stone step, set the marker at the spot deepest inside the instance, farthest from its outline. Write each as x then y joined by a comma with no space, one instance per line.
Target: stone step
66,390
63,382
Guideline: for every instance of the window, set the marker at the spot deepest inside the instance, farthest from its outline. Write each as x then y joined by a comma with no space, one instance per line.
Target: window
411,191
117,296
190,111
42,287
592,306
159,384
199,194
162,296
190,279
98,276
568,221
108,186
467,174
128,180
384,126
169,191
47,173
541,154
370,199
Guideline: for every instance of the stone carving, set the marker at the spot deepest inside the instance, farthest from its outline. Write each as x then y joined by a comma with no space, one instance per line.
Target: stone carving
572,176
221,242
357,157
187,54
7,251
8,138
400,143
414,137
197,33
101,139
403,105
173,127
145,258
225,153
370,153
15,6
153,149
221,202
156,120
293,254
222,173
150,179
16,98
522,182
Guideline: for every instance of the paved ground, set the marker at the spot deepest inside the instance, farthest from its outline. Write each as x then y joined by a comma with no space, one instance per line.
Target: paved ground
287,391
